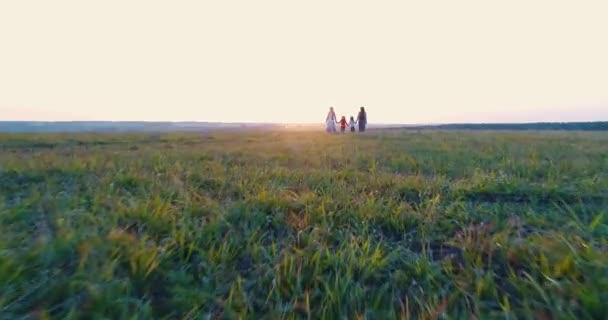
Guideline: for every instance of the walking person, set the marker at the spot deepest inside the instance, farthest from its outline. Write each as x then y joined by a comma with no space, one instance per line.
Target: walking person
362,119
343,124
352,124
330,121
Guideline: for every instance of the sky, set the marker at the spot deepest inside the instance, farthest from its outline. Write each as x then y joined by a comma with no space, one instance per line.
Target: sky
288,61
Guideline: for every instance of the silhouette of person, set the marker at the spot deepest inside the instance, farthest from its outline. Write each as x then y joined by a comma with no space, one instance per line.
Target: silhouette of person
352,124
362,119
330,121
343,124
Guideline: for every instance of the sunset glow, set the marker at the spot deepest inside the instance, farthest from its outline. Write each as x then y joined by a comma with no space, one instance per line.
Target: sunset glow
283,61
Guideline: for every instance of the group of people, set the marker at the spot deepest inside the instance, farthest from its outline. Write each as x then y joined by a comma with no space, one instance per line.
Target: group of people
331,121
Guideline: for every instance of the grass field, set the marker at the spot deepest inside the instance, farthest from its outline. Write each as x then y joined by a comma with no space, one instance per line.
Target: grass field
418,225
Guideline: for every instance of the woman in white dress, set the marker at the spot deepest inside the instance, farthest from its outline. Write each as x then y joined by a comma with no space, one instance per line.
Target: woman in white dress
330,121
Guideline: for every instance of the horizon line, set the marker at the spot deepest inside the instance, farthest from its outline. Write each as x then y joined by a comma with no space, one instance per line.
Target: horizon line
281,123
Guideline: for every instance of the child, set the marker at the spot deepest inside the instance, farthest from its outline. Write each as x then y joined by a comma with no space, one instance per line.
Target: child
352,124
343,124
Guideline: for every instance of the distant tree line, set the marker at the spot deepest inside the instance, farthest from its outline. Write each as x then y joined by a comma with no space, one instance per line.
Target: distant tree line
126,126
135,126
571,126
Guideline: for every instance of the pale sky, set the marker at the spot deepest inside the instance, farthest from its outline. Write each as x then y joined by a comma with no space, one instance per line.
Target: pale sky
288,61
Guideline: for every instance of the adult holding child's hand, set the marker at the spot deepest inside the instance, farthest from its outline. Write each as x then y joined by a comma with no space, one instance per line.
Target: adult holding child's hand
330,120
362,119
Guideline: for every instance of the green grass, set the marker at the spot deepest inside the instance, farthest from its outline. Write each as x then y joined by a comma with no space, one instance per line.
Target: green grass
508,225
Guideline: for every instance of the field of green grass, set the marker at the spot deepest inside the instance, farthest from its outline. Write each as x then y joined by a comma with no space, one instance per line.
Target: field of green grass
285,225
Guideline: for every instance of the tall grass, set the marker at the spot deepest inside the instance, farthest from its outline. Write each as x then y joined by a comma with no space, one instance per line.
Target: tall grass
409,225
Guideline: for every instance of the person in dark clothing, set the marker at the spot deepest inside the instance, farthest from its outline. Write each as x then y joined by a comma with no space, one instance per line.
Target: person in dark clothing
362,119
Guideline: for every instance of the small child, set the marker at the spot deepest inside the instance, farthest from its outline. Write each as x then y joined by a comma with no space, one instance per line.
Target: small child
343,124
352,124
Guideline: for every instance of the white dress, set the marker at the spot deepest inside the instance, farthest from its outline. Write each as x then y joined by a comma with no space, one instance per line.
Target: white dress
330,122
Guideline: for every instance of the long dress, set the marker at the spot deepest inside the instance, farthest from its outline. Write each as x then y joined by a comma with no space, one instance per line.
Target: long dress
330,122
362,118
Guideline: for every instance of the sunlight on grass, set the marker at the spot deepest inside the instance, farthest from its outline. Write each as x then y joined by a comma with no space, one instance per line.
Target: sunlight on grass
411,225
